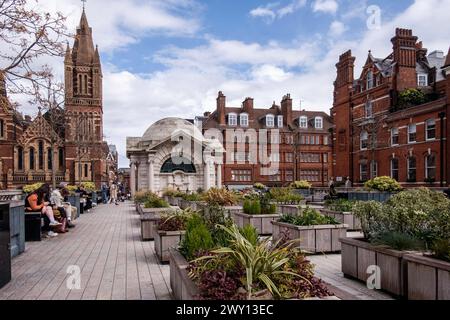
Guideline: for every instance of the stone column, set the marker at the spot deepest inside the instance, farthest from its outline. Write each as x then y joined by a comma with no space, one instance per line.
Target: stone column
151,174
207,174
219,176
133,179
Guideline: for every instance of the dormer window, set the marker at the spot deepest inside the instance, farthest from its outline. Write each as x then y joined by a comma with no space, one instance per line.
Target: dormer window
244,120
280,121
232,119
303,122
319,123
270,121
370,83
422,80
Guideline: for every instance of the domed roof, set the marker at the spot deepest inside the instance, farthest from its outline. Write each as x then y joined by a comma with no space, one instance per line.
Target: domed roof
163,129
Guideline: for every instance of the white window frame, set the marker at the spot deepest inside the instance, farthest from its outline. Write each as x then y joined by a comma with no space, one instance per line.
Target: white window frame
318,123
364,136
409,168
428,123
280,121
392,168
303,122
325,140
410,131
427,167
373,169
232,116
369,80
270,121
422,80
395,133
243,119
361,178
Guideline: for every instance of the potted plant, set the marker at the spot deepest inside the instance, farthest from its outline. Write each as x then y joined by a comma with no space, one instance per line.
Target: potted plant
378,189
224,198
311,231
150,211
341,210
303,187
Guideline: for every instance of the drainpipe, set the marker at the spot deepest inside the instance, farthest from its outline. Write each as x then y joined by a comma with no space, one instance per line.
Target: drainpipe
442,152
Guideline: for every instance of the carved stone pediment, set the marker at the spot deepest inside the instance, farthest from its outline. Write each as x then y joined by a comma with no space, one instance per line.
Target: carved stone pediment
40,129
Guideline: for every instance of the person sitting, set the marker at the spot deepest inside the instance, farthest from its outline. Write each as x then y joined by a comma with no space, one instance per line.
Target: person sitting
57,199
87,203
35,202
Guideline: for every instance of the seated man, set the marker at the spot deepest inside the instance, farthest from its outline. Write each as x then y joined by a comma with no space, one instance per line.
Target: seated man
65,209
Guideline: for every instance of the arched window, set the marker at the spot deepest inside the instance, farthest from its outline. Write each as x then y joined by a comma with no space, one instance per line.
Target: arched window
364,140
412,169
41,155
303,122
49,159
32,158
85,84
370,80
430,167
61,158
394,168
80,84
178,164
244,119
319,123
20,158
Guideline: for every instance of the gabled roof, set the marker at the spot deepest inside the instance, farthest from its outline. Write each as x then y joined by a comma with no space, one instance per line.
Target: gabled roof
40,129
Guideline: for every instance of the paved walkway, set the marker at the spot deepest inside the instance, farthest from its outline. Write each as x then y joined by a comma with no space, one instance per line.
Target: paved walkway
106,246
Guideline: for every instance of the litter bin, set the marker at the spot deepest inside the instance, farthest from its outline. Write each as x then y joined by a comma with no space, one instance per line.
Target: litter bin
17,228
5,251
33,225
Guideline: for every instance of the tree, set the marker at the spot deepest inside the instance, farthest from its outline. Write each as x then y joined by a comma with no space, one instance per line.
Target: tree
26,35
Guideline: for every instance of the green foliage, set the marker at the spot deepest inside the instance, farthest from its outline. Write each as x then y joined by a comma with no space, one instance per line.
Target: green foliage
384,184
175,220
152,200
308,217
399,241
284,195
220,197
303,185
195,197
252,207
259,186
370,214
340,205
213,217
89,186
197,238
32,187
441,249
250,233
141,197
411,97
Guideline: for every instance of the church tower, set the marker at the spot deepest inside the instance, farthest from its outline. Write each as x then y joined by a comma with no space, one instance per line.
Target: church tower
84,106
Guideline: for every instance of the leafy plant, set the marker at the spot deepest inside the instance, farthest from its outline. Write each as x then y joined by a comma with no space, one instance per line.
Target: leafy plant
399,241
194,197
308,217
32,187
340,205
285,195
384,184
303,185
259,186
252,207
370,214
89,186
221,197
197,238
250,233
154,201
141,197
441,249
175,221
411,97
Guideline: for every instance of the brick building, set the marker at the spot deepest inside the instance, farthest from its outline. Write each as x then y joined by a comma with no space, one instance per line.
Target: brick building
303,140
392,120
67,141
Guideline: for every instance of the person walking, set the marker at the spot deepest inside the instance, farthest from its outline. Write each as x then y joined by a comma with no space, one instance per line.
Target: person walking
104,193
114,191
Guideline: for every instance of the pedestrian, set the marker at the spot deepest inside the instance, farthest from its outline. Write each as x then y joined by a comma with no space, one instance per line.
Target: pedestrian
348,183
104,193
113,191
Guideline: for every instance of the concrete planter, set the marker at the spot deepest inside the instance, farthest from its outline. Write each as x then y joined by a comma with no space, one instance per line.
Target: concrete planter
164,240
183,288
304,192
262,222
315,239
149,222
74,200
427,278
358,256
370,196
288,209
347,218
194,205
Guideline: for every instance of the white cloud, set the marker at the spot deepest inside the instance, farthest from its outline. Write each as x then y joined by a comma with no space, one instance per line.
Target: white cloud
337,28
273,11
326,6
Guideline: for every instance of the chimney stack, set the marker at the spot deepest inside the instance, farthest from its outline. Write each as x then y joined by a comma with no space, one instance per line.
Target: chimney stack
248,106
221,108
405,55
286,109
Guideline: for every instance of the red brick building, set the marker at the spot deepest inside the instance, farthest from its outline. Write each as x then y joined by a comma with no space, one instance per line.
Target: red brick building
299,143
392,119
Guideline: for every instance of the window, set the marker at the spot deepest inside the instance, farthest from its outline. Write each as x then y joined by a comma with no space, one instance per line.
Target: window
304,122
412,133
244,120
310,157
325,157
20,158
430,129
422,80
280,121
317,140
369,109
2,124
49,159
303,140
394,136
289,157
180,164
412,169
319,123
370,80
394,169
275,137
275,177
41,155
270,121
241,175
232,119
86,170
364,140
289,175
325,140
430,167
61,158
373,169
363,174
31,158
289,139
311,175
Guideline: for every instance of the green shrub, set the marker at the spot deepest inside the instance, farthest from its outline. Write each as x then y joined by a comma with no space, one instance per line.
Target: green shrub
303,185
250,233
284,195
259,186
154,201
383,184
32,187
308,217
252,207
195,197
441,249
141,197
220,197
399,241
89,186
411,97
197,238
370,214
340,205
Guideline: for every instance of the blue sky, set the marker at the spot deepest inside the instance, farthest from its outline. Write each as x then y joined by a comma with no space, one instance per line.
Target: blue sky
170,58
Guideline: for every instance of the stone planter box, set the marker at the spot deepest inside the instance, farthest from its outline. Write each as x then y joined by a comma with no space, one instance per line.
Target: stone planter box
149,222
183,288
358,255
288,209
74,200
194,205
262,222
304,192
314,239
347,218
370,196
164,240
427,278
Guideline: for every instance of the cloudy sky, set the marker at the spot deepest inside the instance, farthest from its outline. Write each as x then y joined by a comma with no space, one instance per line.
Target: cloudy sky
170,57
